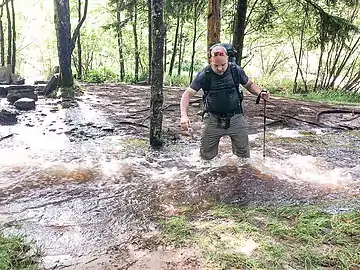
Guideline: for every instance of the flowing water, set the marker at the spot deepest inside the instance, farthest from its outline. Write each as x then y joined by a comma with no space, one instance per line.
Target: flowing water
78,186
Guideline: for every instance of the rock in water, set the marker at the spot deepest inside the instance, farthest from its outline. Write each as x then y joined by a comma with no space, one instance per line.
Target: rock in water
16,92
25,104
8,116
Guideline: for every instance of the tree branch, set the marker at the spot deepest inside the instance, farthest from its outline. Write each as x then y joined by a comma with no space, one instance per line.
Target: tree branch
4,3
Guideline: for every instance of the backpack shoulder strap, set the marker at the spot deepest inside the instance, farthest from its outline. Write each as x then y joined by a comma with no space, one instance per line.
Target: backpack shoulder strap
236,78
235,74
207,80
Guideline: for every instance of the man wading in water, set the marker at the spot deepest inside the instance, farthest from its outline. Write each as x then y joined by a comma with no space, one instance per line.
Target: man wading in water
222,99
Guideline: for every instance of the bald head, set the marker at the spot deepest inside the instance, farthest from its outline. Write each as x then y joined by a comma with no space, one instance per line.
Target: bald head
218,51
219,59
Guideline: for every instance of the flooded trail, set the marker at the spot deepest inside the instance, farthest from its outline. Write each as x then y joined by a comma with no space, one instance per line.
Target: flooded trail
81,181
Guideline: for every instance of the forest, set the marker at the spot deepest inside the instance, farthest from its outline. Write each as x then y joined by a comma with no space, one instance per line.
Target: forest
96,172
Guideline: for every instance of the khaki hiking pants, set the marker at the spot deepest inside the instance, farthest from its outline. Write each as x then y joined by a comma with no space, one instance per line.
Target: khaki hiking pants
212,133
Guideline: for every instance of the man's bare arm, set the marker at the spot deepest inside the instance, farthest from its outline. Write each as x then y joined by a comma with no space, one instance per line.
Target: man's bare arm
254,89
185,99
184,104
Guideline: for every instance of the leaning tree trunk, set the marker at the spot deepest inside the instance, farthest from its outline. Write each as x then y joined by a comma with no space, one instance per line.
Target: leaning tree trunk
239,29
2,41
136,43
63,26
149,40
80,65
156,114
172,61
8,59
213,23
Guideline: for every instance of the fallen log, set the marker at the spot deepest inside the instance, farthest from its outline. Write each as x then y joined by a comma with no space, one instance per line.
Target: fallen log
132,124
336,111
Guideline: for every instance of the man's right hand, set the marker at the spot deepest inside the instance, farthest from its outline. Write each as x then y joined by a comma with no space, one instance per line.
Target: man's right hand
185,122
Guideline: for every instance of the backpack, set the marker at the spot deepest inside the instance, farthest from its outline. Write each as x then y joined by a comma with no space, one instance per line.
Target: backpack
231,52
235,77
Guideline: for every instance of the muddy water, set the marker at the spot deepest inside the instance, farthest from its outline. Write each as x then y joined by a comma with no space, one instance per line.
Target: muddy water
79,185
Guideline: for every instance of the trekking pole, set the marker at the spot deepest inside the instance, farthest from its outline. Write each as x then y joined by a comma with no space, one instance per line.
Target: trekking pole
264,112
264,128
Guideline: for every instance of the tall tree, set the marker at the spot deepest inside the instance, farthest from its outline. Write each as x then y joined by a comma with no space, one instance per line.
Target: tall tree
79,50
120,41
2,41
63,26
66,43
8,59
213,23
172,61
136,42
239,29
13,49
149,39
156,113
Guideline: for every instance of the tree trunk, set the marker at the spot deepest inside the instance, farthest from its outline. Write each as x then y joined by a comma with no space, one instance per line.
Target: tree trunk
213,23
119,41
165,49
64,42
136,43
299,60
8,59
2,41
13,57
149,40
79,45
172,61
181,45
191,71
239,29
156,114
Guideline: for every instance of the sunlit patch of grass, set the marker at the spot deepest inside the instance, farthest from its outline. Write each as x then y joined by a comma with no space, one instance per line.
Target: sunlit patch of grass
355,133
16,254
177,230
135,143
271,238
307,133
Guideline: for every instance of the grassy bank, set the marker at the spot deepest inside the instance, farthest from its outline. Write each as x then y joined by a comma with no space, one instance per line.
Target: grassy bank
259,238
284,87
16,254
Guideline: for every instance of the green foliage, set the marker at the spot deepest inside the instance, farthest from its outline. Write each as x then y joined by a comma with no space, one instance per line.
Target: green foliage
176,80
100,76
15,254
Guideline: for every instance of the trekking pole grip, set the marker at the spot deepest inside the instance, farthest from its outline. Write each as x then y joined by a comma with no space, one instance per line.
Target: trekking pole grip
259,96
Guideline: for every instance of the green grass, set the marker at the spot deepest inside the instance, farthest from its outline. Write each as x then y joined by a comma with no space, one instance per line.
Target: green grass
177,230
270,238
15,254
284,87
